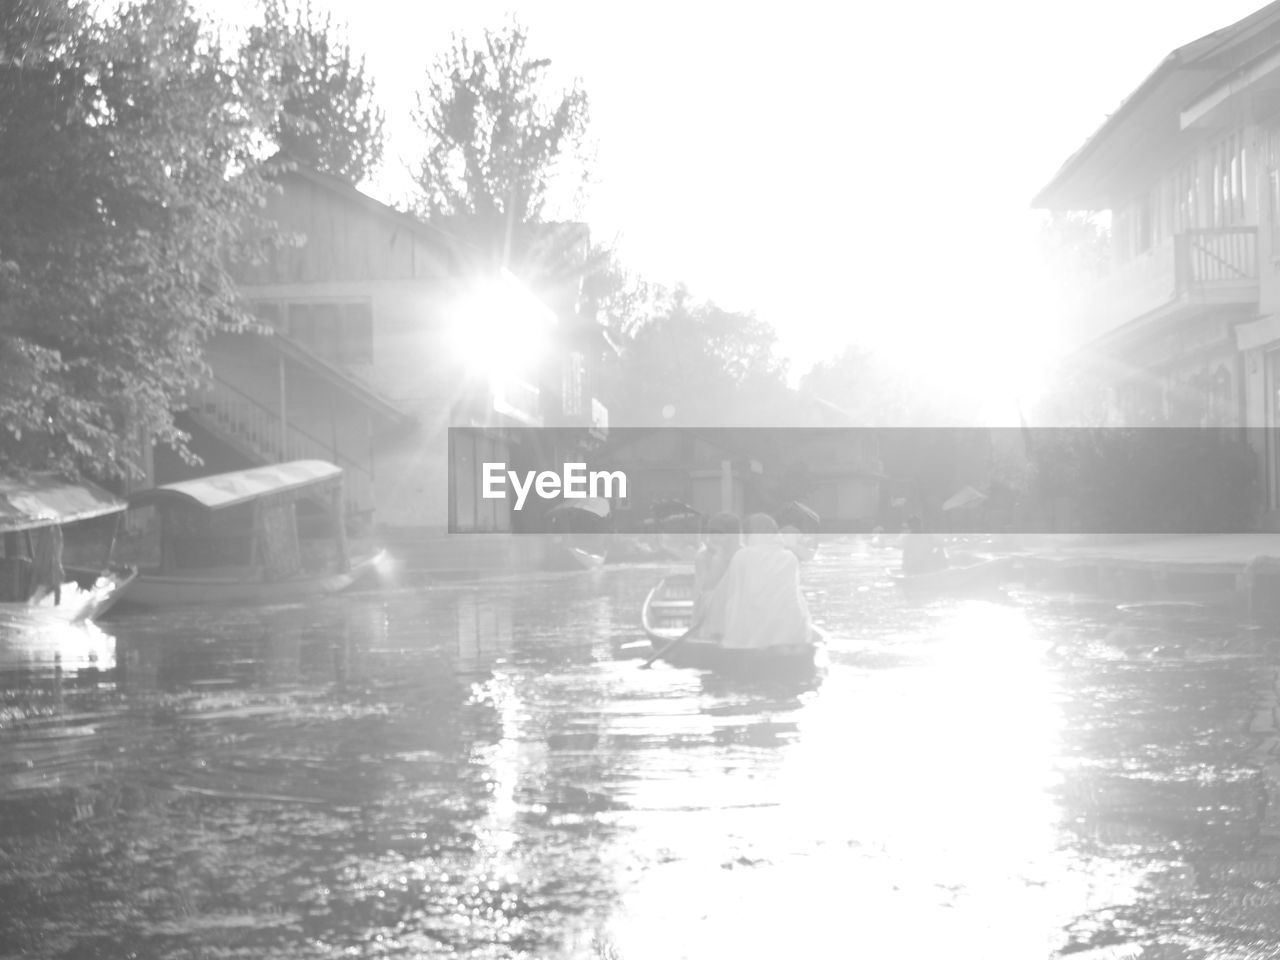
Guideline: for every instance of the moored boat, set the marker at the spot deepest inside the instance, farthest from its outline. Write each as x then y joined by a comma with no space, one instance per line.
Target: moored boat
565,556
667,615
34,513
579,533
242,538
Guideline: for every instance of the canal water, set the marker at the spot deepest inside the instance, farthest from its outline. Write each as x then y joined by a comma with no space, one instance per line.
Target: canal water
482,770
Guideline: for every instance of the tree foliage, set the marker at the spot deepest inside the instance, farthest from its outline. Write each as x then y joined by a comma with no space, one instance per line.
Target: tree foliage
497,134
1077,248
128,177
1148,481
685,362
328,119
874,393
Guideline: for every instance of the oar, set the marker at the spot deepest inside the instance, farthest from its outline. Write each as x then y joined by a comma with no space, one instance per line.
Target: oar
684,636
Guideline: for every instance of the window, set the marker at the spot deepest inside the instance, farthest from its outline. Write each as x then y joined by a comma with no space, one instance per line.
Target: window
1142,226
268,313
1273,189
338,332
1220,410
1184,198
1135,228
571,388
1273,208
1230,182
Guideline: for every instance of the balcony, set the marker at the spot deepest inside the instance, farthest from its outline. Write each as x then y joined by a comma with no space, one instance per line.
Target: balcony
1192,272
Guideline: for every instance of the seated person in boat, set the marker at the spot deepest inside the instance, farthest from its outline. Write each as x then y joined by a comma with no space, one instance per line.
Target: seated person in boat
724,538
764,605
921,552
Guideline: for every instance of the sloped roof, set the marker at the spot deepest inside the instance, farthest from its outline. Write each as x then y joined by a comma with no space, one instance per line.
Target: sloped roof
288,166
45,500
1148,120
239,486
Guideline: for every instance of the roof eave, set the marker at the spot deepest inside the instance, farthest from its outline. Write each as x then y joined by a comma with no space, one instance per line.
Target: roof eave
1056,194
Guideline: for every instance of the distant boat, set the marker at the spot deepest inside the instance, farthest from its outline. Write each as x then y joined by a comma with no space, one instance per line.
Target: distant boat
805,548
580,530
266,535
667,615
28,509
797,521
562,556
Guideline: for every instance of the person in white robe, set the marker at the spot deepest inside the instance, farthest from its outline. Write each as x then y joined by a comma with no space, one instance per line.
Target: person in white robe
764,606
724,539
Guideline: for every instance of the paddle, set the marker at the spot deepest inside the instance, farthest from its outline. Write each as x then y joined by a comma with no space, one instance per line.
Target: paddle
684,636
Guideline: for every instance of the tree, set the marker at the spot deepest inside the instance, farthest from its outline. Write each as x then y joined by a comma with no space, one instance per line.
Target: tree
926,436
497,135
876,394
1077,247
327,119
128,179
689,363
1148,481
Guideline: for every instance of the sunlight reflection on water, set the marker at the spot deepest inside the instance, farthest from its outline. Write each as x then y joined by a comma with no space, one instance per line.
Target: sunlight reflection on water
468,768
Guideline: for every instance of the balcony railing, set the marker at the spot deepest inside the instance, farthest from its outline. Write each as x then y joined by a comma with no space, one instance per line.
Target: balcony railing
1193,270
1207,258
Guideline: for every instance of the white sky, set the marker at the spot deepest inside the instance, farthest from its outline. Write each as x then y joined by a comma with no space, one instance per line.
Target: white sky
851,173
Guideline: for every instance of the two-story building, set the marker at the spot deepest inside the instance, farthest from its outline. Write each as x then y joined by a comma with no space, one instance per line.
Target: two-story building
1185,328
380,332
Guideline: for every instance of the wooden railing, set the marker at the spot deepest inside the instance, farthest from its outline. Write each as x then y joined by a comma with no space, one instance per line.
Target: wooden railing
1218,257
257,426
1185,272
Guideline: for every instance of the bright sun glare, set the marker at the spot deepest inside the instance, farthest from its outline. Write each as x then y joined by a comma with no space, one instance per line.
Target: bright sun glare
984,348
500,329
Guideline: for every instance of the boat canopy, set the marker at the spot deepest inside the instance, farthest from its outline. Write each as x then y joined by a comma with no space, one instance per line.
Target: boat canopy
965,497
593,505
240,486
46,500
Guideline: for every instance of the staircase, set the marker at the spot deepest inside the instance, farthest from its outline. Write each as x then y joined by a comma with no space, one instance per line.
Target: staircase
254,430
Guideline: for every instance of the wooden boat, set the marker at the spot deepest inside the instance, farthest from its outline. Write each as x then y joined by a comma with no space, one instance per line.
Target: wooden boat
47,506
267,535
579,532
566,556
982,575
667,615
805,548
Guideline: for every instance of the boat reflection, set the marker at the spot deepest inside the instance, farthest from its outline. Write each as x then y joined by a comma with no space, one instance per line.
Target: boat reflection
34,641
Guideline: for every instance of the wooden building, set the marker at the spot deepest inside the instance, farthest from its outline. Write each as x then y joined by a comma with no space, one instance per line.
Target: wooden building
1186,325
380,333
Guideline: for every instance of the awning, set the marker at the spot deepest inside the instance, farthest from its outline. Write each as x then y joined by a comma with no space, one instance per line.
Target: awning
666,509
795,513
964,497
595,505
45,500
240,486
